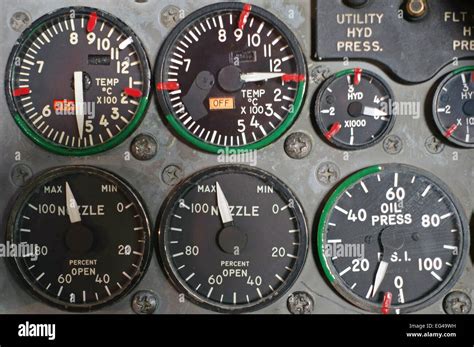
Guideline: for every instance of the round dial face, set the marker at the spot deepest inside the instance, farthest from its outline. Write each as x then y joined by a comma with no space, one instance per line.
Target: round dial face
78,81
96,244
353,109
230,75
392,239
233,238
453,107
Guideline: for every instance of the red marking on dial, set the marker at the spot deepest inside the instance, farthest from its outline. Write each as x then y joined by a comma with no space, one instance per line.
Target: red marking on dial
21,91
92,22
387,301
451,130
472,77
335,128
293,78
357,76
167,86
244,15
133,92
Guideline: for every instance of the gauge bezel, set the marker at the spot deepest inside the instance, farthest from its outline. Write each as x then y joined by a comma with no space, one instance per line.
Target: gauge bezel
31,132
332,274
434,107
21,198
318,118
163,99
179,283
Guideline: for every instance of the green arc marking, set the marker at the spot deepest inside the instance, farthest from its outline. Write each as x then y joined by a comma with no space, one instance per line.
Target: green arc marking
273,136
328,208
462,69
62,150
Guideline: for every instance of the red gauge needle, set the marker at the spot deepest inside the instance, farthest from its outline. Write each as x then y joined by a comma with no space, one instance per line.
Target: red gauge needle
450,131
386,303
335,128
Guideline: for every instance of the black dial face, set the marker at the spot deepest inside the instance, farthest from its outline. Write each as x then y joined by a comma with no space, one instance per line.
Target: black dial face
91,235
453,107
353,109
233,238
230,75
393,239
78,81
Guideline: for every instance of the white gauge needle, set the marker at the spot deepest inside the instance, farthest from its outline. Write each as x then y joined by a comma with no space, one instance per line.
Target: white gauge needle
223,206
260,76
71,206
79,101
373,112
380,275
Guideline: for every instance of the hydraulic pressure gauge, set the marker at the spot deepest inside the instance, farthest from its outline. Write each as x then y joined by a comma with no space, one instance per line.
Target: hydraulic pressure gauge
230,75
393,239
453,107
354,109
78,81
233,238
90,233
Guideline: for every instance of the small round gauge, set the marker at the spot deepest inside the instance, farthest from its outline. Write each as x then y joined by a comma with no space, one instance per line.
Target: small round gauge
453,107
90,235
233,238
393,239
230,75
353,109
78,81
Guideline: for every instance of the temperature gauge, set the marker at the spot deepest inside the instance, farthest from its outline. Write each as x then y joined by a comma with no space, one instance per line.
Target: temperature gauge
78,81
230,75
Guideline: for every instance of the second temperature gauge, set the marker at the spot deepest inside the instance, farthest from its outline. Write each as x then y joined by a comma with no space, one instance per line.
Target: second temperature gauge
230,75
233,238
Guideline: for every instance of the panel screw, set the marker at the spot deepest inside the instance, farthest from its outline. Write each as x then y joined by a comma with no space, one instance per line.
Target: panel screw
392,144
172,174
300,303
457,302
327,173
144,302
170,16
319,74
144,147
20,174
416,8
434,145
298,145
20,20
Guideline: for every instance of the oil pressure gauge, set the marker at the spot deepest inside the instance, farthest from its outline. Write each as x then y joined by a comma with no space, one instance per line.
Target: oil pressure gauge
230,75
93,233
453,107
393,239
78,81
353,109
233,238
